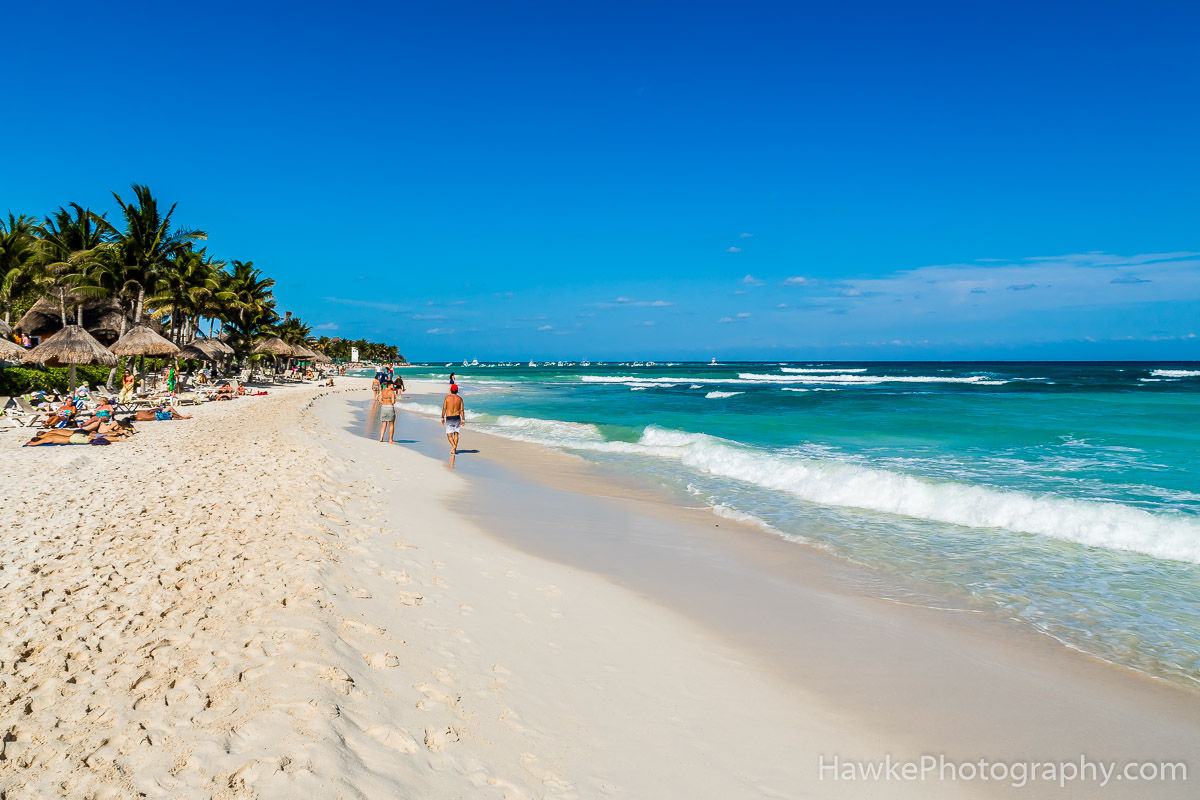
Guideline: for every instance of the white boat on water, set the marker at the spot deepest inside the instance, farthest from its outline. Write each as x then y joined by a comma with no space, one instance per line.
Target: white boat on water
713,363
474,362
531,364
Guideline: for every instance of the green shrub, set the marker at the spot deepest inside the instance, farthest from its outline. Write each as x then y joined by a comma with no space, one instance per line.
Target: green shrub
22,380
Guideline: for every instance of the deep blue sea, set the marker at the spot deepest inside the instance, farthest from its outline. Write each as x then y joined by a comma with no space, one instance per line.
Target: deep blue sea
1065,495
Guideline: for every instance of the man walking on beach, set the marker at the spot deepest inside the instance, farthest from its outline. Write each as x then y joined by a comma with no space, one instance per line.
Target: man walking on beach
453,417
387,410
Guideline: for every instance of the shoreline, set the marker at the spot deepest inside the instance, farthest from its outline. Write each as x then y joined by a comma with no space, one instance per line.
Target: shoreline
885,685
263,602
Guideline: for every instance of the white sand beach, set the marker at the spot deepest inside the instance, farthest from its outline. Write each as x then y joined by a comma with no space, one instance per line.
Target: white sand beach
260,602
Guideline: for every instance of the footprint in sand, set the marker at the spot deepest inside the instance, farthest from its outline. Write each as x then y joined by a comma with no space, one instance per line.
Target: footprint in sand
361,627
436,740
393,738
382,660
548,778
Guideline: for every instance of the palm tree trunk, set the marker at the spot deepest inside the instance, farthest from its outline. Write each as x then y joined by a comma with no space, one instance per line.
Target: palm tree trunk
137,312
62,304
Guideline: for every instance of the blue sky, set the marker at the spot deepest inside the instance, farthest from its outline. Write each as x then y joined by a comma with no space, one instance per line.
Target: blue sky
602,180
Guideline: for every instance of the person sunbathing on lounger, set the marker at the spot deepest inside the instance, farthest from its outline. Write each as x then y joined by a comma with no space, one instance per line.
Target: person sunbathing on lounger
61,416
151,414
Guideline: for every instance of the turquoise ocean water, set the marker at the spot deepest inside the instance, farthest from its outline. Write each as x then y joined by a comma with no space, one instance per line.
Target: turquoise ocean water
1064,495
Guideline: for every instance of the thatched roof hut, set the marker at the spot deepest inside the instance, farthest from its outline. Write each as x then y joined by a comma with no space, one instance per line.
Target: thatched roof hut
300,351
321,358
72,345
141,341
5,328
11,351
101,318
274,346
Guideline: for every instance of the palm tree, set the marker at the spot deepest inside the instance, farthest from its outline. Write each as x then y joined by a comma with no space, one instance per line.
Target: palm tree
185,291
292,330
248,306
146,245
19,259
73,249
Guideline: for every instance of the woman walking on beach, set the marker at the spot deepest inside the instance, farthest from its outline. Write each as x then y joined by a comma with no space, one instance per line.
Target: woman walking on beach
387,410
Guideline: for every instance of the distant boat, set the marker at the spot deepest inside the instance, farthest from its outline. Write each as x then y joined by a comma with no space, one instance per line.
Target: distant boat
585,363
474,362
713,362
532,364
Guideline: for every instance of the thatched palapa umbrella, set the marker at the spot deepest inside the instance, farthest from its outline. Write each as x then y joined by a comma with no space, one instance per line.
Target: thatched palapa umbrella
10,351
141,341
275,347
204,350
70,346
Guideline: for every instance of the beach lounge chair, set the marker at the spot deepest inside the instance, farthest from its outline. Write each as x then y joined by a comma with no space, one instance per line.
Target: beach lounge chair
20,411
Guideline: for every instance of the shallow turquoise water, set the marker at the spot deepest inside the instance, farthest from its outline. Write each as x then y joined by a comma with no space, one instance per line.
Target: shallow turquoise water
1067,495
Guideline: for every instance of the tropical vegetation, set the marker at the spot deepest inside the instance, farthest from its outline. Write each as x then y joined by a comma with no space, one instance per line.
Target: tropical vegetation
150,267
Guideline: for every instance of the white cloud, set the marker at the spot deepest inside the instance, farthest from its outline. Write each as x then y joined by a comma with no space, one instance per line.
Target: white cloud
348,301
750,280
629,301
326,326
744,314
733,249
994,289
647,322
545,327
440,331
797,281
429,316
745,235
725,319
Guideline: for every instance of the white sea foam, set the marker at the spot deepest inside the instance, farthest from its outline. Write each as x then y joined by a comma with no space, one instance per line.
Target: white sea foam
763,379
835,483
814,369
978,380
1176,373
715,395
831,481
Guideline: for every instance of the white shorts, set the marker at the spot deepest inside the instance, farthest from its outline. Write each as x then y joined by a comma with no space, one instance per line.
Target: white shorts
453,424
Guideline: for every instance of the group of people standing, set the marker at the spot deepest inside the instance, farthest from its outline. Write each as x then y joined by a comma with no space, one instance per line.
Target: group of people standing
388,389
